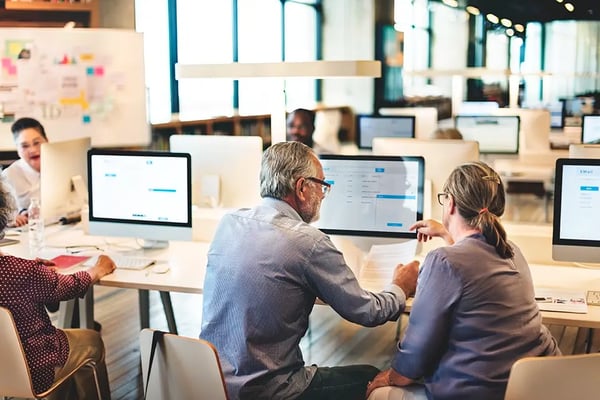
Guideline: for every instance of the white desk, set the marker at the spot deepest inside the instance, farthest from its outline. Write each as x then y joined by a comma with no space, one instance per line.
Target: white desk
187,261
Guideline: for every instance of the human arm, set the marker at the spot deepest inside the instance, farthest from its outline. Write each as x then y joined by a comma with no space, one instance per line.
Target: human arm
428,229
51,286
21,219
389,377
405,277
331,280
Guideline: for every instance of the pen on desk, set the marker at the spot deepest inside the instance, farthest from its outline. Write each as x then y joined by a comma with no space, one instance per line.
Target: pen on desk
543,299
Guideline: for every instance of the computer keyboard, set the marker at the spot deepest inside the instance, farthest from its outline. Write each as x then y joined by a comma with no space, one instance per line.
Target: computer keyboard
125,262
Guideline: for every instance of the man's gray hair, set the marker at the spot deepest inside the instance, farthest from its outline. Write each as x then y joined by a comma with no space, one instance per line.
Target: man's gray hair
282,165
7,206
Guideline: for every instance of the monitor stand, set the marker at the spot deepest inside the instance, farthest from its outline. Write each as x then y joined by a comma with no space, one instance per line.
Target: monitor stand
153,244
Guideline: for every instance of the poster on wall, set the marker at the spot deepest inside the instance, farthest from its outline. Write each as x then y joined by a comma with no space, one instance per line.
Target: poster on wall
76,82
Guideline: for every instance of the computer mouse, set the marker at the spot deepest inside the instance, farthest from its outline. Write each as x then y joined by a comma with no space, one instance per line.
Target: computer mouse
160,268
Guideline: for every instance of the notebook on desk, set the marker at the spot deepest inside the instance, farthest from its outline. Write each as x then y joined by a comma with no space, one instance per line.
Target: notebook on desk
561,300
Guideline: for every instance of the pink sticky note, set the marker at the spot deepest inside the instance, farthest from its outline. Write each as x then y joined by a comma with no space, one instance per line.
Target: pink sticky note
99,71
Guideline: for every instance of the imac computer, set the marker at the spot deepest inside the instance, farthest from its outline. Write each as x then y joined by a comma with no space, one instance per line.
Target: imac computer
590,129
441,157
225,169
63,175
371,126
426,118
495,134
557,114
477,107
534,128
575,235
140,194
584,151
376,196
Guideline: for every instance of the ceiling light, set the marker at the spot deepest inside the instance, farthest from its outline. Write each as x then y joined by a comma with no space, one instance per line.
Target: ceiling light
519,28
451,3
472,10
510,32
559,1
506,22
570,7
492,18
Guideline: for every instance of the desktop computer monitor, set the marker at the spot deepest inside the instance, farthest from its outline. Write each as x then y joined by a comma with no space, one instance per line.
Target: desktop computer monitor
575,235
477,107
584,151
557,114
426,118
441,157
225,169
371,126
534,128
63,173
495,134
140,194
590,129
377,196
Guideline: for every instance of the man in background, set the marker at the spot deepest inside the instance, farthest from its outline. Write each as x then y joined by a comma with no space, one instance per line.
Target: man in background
301,126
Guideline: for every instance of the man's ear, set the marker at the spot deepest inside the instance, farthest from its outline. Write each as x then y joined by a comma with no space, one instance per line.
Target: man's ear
299,190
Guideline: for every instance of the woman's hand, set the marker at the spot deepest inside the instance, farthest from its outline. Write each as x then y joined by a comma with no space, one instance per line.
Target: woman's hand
428,229
387,378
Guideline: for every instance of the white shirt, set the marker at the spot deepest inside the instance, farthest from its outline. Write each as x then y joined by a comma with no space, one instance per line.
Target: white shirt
24,182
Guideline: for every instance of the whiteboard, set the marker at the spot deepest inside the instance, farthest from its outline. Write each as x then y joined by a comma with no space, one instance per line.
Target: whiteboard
76,82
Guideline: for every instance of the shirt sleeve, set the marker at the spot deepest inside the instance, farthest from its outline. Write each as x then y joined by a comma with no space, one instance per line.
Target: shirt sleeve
335,283
50,286
426,338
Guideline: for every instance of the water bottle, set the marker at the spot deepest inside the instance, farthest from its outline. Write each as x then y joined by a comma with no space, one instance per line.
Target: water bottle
36,228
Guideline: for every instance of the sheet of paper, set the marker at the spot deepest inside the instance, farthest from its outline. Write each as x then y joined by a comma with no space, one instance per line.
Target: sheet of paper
381,261
562,300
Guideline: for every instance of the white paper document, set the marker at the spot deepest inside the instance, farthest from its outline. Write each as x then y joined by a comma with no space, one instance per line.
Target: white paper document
378,270
562,300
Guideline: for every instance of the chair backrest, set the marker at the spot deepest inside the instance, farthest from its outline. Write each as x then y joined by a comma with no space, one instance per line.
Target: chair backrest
555,378
15,379
183,368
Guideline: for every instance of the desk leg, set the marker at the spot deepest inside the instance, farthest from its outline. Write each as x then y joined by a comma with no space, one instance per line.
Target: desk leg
588,343
86,310
144,304
65,314
165,297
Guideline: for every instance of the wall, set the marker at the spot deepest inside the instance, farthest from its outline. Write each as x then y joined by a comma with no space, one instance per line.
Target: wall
117,14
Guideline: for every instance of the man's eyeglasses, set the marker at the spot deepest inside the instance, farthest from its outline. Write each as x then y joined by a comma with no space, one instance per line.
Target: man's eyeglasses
441,196
325,187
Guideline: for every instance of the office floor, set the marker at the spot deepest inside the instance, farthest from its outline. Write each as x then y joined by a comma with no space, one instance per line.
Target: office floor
332,341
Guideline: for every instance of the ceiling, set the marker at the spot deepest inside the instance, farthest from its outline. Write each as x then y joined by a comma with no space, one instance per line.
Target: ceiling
523,11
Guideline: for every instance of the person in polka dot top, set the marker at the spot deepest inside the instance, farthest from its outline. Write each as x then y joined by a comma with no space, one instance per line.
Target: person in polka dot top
26,285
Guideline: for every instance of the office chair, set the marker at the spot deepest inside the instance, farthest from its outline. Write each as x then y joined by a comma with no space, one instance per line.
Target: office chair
15,377
555,378
180,368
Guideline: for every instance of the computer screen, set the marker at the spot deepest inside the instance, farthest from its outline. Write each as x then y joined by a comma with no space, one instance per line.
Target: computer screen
371,126
575,235
426,118
590,129
557,113
225,169
379,196
477,107
441,157
495,134
140,194
62,165
534,128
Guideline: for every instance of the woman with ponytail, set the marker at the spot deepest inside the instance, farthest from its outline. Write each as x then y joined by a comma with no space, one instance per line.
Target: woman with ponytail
474,312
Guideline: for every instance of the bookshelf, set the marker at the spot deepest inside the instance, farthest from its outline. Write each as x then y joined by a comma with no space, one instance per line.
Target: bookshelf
49,13
238,125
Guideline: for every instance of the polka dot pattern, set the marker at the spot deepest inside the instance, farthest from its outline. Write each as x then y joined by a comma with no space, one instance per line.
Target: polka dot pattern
25,286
